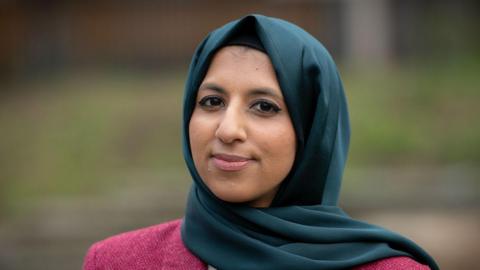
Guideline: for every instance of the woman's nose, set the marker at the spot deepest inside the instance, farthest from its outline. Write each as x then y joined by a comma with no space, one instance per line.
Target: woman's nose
231,127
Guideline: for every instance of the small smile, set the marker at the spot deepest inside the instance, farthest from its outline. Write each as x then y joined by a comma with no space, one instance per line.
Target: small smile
226,162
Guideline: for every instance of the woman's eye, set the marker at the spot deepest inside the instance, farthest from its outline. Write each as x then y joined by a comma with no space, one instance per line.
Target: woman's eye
211,102
266,107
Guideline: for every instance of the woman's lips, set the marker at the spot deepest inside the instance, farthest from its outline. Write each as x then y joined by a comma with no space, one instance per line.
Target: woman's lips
230,163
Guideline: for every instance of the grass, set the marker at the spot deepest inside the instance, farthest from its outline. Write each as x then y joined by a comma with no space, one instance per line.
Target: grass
77,134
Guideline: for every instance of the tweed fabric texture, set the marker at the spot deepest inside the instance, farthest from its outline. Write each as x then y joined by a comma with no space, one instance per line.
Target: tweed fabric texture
160,247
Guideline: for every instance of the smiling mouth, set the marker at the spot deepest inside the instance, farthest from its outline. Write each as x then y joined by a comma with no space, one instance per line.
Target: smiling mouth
230,163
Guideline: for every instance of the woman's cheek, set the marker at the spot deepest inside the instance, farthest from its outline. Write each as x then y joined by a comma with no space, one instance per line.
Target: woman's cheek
273,138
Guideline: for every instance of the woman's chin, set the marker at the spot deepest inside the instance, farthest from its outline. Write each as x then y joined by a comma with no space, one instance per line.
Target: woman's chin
232,197
246,198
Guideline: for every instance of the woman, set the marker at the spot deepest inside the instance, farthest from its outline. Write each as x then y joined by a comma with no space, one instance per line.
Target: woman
266,135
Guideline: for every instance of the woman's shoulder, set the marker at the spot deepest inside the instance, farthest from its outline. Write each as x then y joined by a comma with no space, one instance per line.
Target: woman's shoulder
146,248
393,263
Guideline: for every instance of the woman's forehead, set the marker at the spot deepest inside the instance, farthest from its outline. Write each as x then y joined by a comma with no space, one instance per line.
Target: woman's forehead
239,52
241,66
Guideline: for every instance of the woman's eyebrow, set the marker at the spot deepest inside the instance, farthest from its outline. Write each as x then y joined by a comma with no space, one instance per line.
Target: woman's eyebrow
261,91
264,91
212,86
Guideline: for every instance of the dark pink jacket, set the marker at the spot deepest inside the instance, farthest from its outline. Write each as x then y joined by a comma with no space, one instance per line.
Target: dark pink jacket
161,247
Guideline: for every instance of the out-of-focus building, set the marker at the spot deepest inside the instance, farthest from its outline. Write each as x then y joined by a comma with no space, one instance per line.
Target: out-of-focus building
51,35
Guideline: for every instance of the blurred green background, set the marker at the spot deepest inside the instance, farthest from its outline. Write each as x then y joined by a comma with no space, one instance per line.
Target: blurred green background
90,109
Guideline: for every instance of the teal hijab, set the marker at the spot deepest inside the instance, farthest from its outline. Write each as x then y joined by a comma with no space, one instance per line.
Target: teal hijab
304,228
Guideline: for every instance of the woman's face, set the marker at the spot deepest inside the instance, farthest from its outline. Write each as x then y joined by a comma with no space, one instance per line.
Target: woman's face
241,135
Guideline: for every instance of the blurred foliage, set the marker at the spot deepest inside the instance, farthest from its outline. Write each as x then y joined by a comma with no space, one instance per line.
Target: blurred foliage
76,134
80,134
422,114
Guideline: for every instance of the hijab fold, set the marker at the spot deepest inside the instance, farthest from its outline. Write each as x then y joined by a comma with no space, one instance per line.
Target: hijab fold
304,228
